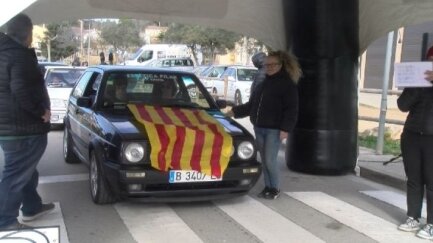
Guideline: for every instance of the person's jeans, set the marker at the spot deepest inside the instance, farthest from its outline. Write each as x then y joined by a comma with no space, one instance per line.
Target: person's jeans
417,155
268,143
20,177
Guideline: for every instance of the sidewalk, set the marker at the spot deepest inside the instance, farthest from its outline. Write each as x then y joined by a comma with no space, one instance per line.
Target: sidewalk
369,163
371,167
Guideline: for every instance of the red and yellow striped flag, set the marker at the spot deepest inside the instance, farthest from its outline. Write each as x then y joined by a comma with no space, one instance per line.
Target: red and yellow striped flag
184,139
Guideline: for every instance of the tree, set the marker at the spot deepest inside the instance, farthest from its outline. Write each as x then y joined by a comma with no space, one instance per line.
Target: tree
60,41
210,41
121,35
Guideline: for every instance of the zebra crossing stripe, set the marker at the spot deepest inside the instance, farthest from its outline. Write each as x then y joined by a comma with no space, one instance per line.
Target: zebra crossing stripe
155,223
356,218
263,222
54,218
393,198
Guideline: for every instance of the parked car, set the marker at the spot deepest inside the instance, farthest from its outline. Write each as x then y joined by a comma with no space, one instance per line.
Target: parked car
239,80
124,121
60,80
42,66
209,76
184,64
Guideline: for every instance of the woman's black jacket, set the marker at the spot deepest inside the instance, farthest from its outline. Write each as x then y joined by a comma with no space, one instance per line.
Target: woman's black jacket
273,103
23,94
419,103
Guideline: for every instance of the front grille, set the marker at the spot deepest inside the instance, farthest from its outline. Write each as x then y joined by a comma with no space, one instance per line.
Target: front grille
191,186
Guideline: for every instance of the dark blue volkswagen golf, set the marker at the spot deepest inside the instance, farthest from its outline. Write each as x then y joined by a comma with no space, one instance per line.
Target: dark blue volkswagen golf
156,135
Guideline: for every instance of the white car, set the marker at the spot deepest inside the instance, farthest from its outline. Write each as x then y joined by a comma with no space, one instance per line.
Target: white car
60,80
210,75
238,80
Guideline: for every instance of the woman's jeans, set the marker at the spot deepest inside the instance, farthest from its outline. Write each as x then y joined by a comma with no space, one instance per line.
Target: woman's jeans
417,152
268,143
20,177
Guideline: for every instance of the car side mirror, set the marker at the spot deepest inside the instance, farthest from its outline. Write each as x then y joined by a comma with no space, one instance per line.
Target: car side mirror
84,102
221,103
231,78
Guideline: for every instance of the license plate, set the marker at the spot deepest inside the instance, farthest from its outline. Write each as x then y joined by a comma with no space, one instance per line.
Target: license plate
177,176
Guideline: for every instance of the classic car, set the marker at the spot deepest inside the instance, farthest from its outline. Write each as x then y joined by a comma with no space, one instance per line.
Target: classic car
156,135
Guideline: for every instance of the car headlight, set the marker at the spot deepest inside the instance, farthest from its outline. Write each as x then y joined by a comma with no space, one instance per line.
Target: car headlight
134,152
245,150
58,103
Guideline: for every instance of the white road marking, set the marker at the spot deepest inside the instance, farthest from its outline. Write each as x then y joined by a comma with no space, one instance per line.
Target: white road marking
63,178
395,199
263,222
155,223
54,218
356,218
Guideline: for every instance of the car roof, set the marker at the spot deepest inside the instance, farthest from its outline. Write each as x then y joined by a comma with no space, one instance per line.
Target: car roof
117,68
64,67
242,67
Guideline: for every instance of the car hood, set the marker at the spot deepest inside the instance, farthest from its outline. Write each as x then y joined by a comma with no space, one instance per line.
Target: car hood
128,127
59,93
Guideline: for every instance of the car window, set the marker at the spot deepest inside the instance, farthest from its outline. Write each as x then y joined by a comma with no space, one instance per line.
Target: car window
147,55
246,74
162,89
82,84
62,77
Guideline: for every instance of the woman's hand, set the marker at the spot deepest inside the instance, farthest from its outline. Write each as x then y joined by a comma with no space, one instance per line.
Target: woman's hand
229,113
283,135
429,75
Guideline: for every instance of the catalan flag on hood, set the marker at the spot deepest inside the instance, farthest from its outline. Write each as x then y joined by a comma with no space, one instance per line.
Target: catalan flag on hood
185,139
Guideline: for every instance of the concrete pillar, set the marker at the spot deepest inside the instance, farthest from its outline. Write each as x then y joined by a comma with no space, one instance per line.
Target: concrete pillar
324,36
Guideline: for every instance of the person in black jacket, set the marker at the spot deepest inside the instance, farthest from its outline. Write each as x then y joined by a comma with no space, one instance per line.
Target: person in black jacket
24,124
273,110
417,152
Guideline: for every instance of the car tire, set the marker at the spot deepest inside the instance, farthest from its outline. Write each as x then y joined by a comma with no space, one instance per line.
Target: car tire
214,91
238,98
68,154
99,189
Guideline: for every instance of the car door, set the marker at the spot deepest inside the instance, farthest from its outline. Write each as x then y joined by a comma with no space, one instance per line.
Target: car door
80,118
229,77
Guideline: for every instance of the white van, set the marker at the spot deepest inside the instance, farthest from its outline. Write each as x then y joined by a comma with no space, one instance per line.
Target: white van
150,52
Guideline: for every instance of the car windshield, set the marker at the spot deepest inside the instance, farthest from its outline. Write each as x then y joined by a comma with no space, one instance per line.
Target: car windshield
155,88
246,74
63,77
136,54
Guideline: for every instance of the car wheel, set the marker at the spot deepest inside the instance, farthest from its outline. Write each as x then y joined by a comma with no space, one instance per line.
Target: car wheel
238,98
99,189
68,154
214,91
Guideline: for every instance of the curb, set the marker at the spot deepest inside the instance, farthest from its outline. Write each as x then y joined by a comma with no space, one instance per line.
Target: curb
383,178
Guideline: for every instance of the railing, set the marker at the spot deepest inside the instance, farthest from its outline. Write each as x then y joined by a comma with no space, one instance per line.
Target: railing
374,119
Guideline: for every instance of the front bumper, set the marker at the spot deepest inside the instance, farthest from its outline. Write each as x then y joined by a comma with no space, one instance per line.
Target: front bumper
155,186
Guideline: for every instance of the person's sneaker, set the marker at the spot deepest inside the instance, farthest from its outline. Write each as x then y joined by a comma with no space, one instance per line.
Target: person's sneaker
410,225
45,209
426,232
15,226
273,193
264,192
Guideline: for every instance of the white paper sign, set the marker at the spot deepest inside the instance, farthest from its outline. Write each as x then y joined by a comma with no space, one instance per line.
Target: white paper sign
411,74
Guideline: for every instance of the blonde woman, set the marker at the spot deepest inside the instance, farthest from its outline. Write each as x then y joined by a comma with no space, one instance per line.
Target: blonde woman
273,110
